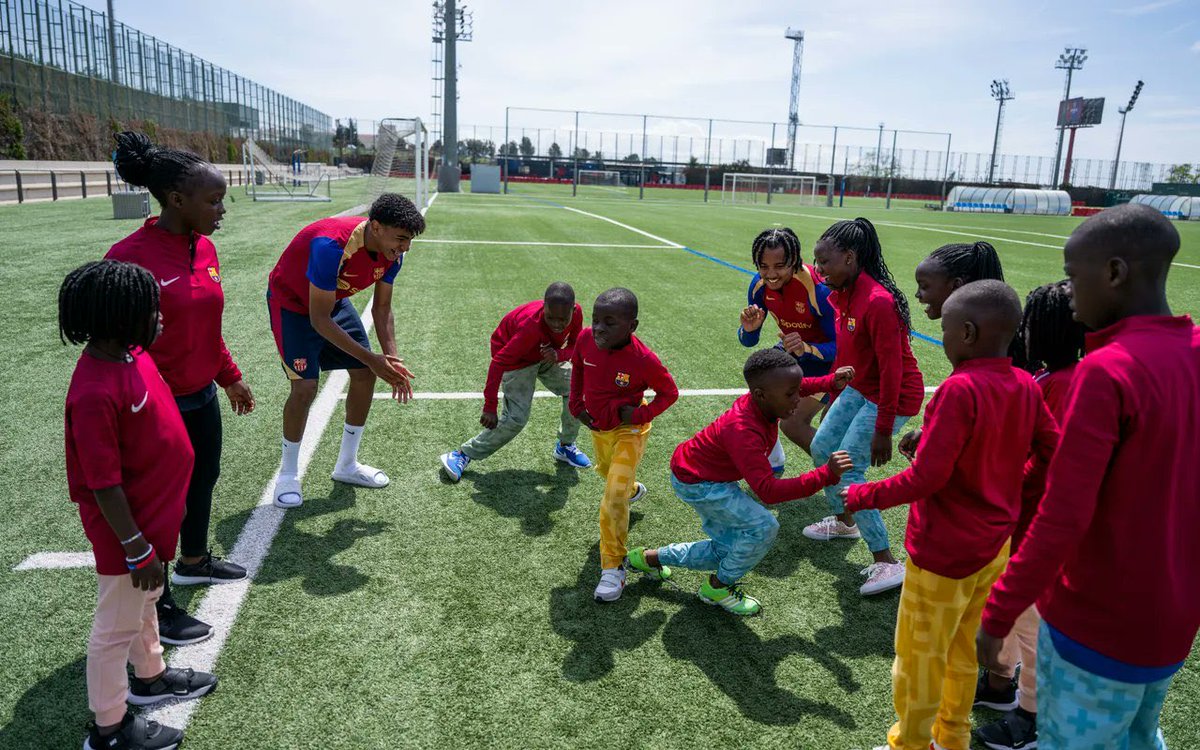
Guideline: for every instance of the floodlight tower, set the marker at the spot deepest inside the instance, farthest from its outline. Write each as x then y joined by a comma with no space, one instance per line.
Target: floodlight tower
1070,60
1002,94
794,102
1112,183
453,26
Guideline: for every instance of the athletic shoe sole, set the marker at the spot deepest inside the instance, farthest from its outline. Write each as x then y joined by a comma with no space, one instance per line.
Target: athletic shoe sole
179,580
150,700
997,746
819,537
564,459
87,745
711,603
188,642
997,706
894,583
639,494
447,471
600,597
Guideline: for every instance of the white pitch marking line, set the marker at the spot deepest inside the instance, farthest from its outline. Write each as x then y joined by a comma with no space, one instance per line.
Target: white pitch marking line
654,237
57,561
544,244
474,396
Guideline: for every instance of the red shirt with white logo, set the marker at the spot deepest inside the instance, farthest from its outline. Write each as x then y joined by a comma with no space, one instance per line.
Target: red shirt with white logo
517,343
124,429
604,380
190,353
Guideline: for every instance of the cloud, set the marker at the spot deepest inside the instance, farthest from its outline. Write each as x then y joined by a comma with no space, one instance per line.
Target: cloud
1196,48
1141,10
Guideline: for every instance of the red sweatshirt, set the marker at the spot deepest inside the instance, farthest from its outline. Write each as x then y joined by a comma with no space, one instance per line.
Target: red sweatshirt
872,340
965,482
604,380
190,353
736,446
1112,551
517,343
1054,387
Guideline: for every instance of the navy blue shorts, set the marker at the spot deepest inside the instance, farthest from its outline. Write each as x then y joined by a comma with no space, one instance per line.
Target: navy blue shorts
303,351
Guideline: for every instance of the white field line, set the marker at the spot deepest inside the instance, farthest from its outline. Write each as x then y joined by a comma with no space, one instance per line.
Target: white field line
474,396
57,561
654,237
543,244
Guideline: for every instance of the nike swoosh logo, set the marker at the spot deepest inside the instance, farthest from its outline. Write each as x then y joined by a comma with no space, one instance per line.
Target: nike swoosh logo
138,407
589,364
168,282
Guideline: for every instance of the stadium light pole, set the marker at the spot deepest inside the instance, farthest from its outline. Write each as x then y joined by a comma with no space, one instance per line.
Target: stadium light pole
1070,60
112,43
457,26
1112,182
1002,94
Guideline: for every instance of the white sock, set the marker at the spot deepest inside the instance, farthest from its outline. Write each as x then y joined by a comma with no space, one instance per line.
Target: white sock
777,457
348,455
290,466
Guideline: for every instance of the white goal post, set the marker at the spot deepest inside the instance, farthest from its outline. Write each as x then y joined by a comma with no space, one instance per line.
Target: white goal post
600,177
401,163
786,190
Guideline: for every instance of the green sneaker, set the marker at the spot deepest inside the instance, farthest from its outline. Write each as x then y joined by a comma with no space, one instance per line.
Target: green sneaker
730,599
637,561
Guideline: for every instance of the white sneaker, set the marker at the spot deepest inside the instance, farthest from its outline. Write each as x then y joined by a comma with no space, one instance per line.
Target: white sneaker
287,493
831,527
361,475
612,582
639,491
882,577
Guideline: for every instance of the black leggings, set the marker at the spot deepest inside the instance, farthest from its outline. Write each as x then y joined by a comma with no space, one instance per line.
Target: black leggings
204,429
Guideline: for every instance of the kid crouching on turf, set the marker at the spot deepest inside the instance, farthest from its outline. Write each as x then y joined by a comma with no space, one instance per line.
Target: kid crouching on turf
533,342
705,471
965,483
129,462
610,373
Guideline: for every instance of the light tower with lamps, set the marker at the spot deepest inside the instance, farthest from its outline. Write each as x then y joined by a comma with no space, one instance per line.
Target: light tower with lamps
1001,93
1070,60
1112,183
794,102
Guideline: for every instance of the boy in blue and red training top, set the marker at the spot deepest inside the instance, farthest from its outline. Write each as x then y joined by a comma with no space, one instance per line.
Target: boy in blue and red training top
533,342
705,471
610,373
1110,556
316,328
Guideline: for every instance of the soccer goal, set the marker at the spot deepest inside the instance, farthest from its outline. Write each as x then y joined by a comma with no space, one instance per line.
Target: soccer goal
774,189
600,177
401,163
268,180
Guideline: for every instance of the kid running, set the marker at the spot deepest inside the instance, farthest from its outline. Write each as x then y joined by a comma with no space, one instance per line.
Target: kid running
129,461
705,471
533,342
872,337
1111,556
316,328
610,372
191,353
799,301
965,489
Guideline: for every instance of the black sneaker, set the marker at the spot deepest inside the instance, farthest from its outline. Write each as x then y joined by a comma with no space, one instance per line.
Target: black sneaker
177,628
209,570
172,683
1016,731
136,733
1004,699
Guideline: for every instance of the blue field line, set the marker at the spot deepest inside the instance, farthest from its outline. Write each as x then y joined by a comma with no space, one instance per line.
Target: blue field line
727,264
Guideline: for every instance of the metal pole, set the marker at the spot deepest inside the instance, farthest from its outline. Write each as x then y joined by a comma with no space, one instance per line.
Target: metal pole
891,170
575,159
945,172
832,169
450,173
995,142
642,180
112,43
1112,183
707,159
1066,180
878,149
506,141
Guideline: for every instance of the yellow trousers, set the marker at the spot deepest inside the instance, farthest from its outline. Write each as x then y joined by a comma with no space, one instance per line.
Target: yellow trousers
933,677
617,455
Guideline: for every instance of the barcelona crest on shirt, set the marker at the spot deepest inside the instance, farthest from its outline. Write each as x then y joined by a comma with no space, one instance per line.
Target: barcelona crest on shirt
379,273
622,379
850,324
214,274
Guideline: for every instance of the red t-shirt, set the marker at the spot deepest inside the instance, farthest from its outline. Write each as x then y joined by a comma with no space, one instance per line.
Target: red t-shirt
123,428
517,343
331,255
604,380
871,339
190,353
736,446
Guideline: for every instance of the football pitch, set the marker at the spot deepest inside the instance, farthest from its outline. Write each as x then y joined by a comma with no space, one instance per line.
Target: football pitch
434,615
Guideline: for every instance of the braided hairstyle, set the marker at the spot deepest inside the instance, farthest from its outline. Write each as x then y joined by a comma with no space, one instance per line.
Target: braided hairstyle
860,236
969,262
783,237
108,299
1054,339
160,170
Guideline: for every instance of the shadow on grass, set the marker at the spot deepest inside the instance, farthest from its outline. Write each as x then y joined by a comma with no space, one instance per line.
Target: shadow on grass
52,713
300,554
533,497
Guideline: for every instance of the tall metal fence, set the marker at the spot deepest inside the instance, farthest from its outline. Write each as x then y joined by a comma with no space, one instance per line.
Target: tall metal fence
63,57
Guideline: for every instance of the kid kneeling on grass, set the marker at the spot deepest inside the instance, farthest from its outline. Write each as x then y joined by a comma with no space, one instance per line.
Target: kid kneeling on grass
982,426
533,342
129,462
705,471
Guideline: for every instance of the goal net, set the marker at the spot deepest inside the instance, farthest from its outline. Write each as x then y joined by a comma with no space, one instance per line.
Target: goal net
773,189
600,177
269,180
401,163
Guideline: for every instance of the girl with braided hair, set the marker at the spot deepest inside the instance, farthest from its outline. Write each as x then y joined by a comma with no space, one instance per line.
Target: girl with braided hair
129,461
191,354
873,332
798,299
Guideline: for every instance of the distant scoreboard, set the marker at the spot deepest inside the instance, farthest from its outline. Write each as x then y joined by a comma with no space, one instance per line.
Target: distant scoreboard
1080,113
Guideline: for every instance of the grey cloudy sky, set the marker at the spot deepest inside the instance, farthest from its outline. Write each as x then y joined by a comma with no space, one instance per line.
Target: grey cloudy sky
917,65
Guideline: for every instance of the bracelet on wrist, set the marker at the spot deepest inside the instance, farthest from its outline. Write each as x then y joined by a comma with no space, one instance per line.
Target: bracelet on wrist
138,558
141,563
132,538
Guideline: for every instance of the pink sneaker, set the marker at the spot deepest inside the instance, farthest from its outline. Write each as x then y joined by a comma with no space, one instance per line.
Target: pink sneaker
882,577
831,528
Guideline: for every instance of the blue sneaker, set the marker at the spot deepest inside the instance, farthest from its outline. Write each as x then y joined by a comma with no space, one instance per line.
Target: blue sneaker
454,464
571,456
